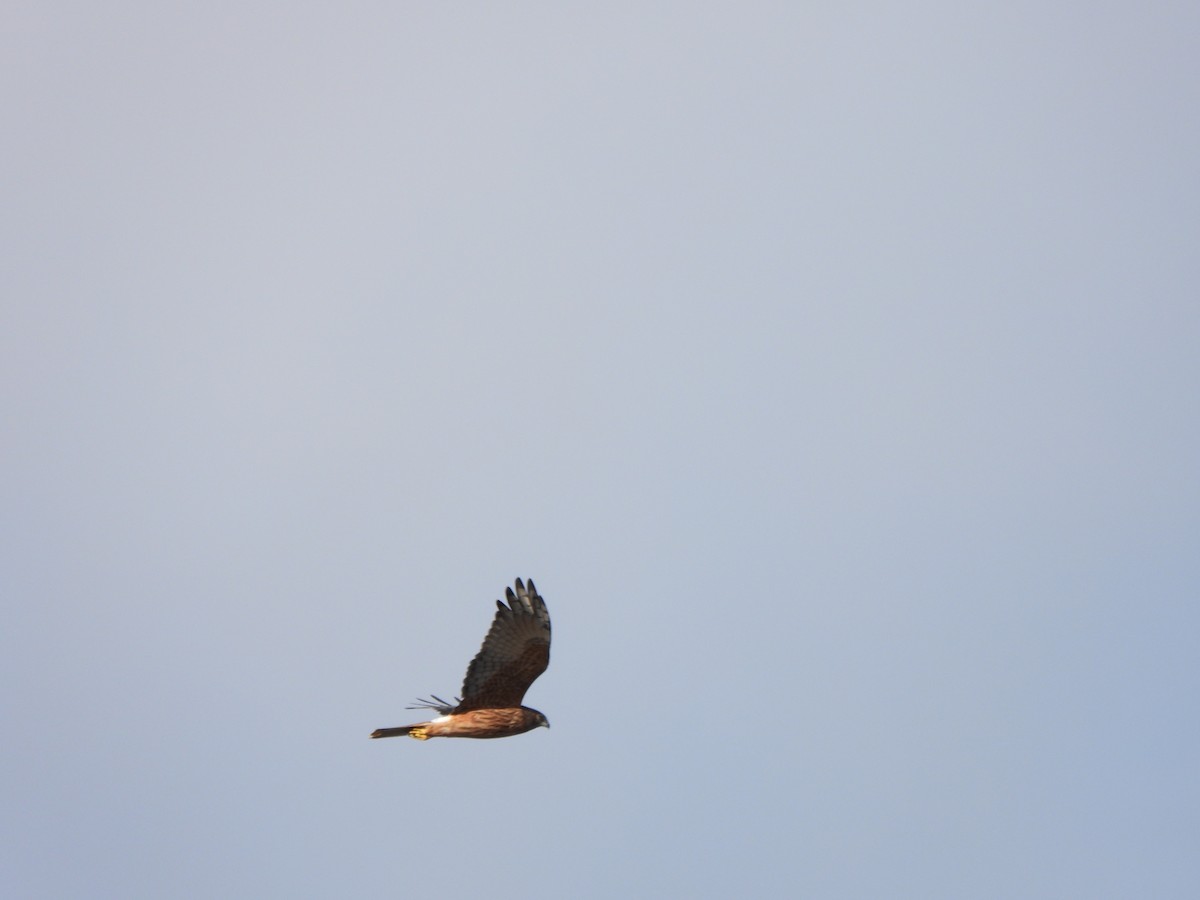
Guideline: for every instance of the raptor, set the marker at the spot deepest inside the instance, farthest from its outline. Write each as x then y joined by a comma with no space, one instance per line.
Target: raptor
515,652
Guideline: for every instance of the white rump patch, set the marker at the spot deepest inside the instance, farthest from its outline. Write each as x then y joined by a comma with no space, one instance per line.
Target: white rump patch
441,719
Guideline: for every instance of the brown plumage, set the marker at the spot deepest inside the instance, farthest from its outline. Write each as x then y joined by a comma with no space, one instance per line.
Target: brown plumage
514,653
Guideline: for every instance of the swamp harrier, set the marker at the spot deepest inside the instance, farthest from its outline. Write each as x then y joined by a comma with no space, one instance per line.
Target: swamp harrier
514,653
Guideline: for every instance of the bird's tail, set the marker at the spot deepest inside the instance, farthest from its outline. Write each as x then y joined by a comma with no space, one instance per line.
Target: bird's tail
414,731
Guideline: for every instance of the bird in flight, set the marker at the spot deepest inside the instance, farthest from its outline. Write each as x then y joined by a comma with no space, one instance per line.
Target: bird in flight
514,653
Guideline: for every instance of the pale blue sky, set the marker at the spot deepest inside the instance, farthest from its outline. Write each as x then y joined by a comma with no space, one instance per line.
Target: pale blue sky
832,368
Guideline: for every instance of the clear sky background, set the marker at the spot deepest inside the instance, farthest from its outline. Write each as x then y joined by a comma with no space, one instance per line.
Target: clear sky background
833,368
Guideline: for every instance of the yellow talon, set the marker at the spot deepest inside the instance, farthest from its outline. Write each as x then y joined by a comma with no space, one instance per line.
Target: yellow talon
421,734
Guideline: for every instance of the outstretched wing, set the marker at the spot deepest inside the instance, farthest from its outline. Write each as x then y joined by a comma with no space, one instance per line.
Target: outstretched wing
514,653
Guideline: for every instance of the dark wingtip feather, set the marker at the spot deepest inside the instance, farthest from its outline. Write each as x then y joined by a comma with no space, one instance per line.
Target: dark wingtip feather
435,703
